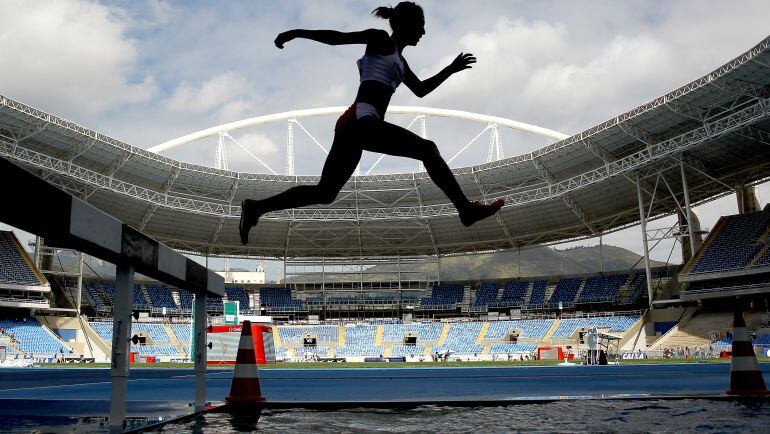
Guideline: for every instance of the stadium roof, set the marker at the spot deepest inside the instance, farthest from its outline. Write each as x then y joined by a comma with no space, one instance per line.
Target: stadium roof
717,127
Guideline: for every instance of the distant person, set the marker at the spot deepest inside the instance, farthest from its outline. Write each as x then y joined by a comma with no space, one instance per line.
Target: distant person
363,127
602,357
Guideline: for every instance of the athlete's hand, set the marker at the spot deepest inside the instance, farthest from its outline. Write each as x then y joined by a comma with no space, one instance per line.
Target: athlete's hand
462,61
283,38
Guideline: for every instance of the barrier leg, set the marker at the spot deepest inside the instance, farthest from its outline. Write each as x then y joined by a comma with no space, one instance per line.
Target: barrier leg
121,333
200,351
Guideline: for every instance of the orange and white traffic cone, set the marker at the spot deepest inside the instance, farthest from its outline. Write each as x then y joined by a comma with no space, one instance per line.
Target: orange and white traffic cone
745,376
245,390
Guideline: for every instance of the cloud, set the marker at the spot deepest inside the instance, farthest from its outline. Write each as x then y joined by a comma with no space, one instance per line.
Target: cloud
216,92
161,11
70,57
627,66
258,144
507,54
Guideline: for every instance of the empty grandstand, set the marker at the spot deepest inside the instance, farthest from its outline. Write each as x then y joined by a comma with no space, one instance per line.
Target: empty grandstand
21,283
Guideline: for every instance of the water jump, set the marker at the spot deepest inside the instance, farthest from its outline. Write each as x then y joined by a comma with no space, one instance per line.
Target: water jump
363,127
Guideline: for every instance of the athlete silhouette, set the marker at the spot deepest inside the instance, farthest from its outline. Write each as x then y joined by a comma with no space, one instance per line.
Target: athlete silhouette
362,126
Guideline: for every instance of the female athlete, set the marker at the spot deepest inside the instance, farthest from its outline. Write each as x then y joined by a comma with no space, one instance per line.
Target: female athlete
362,126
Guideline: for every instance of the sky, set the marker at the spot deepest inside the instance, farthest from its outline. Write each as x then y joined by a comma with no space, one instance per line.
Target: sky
147,71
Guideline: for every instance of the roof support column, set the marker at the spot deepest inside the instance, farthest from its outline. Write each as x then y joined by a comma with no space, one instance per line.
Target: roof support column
601,253
687,210
747,199
645,246
79,294
121,335
438,268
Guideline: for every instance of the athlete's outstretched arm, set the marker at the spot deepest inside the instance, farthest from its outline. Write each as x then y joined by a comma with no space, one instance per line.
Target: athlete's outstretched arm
424,87
329,37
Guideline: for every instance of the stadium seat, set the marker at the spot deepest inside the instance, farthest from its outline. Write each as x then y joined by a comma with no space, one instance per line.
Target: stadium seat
614,323
604,288
486,295
443,297
14,270
160,297
537,298
31,338
565,292
279,300
237,293
461,339
736,243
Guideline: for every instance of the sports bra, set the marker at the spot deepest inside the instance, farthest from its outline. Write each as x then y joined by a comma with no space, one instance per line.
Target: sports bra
386,69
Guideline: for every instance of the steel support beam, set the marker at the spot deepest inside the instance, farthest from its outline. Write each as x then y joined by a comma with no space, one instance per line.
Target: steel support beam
645,245
687,209
121,336
199,331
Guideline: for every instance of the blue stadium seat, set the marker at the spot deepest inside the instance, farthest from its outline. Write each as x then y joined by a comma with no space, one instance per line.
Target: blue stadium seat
486,295
294,334
443,297
565,292
461,339
736,243
237,293
14,269
511,348
530,328
31,338
160,297
604,288
514,293
537,298
183,332
359,341
280,300
426,332
614,323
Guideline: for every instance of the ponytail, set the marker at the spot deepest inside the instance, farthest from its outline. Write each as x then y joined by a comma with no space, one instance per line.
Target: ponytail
405,11
384,12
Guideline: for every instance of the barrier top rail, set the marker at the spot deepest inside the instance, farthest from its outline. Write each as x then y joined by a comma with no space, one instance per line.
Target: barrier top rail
33,205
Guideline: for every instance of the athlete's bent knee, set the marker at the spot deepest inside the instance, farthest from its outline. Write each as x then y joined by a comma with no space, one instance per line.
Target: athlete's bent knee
429,150
327,195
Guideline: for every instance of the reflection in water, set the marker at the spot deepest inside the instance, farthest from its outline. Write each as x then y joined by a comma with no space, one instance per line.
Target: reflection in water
244,423
689,415
63,424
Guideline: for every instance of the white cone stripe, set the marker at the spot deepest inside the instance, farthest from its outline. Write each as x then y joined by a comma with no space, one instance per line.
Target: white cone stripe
246,343
740,334
747,363
245,371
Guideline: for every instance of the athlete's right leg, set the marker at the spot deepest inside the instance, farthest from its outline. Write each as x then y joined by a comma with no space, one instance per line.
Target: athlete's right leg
342,160
386,138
